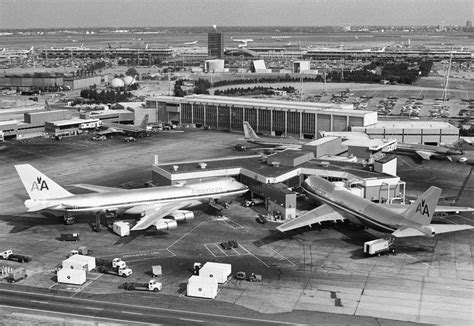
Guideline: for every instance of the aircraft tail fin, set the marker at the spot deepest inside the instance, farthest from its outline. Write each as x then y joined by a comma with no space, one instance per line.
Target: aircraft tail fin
422,210
145,122
46,105
249,132
38,185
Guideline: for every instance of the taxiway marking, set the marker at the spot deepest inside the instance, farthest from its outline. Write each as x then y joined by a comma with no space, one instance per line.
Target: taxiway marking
37,301
131,312
93,308
193,320
90,301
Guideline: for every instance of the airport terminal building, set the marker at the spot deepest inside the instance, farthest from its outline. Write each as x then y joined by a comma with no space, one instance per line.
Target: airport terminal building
271,117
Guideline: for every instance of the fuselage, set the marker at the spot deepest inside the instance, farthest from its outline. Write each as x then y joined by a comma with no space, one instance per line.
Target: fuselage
372,215
194,192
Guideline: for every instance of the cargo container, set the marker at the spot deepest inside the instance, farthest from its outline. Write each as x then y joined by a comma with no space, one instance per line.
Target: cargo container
121,228
218,271
71,276
16,275
201,287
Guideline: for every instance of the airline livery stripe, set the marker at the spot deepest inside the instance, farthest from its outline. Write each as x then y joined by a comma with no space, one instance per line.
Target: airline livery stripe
355,213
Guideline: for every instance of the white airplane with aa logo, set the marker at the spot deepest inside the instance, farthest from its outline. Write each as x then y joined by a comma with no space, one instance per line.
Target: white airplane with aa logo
398,220
153,205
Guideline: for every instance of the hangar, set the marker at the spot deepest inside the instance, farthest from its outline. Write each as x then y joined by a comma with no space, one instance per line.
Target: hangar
272,117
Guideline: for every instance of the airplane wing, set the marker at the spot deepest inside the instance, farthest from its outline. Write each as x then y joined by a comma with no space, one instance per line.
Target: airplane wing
424,155
98,189
109,131
154,213
438,228
320,214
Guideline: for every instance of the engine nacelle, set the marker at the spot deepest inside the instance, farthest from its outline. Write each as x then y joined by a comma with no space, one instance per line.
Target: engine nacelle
182,216
166,225
428,230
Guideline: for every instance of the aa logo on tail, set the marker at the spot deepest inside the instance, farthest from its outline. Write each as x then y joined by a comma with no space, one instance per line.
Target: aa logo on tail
39,184
423,208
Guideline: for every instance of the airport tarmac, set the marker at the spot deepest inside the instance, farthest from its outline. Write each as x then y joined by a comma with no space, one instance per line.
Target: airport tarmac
317,276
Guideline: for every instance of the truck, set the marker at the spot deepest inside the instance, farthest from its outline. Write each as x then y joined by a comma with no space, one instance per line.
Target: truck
120,271
152,285
114,263
9,255
17,275
378,246
70,237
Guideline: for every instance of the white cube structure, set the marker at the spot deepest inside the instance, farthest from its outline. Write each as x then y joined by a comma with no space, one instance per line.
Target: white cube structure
201,287
71,276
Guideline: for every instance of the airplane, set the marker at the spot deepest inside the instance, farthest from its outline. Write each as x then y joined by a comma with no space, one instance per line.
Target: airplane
116,128
451,152
191,43
278,143
10,54
151,204
243,42
398,220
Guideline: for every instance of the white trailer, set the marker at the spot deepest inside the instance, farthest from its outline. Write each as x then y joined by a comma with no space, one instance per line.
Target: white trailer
378,246
71,276
218,271
121,228
201,287
87,261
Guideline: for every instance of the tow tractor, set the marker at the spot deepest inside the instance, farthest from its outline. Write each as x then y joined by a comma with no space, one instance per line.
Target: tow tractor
251,278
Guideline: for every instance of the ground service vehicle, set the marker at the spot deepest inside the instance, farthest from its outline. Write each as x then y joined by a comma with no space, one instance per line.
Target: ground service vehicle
225,246
9,255
378,246
81,251
17,275
124,272
116,262
251,278
69,237
253,202
153,285
129,139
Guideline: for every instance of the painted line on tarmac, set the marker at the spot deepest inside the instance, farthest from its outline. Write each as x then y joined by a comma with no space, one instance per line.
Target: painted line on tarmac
282,257
131,312
254,256
93,308
37,301
184,235
193,320
241,319
68,315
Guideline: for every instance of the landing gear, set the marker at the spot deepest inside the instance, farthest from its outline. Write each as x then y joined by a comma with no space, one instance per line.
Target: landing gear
68,219
97,226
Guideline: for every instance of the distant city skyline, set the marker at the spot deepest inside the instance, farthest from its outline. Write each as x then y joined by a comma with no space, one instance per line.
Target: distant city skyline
170,13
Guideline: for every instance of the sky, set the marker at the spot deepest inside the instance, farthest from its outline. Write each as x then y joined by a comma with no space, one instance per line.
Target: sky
130,13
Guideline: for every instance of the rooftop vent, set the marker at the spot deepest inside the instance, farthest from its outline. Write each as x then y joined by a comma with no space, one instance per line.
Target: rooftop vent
175,167
202,165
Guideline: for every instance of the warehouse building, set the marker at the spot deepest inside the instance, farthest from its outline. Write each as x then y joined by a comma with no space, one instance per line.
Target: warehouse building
271,117
412,131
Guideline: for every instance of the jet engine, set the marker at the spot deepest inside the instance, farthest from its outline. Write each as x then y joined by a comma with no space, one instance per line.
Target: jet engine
182,216
166,225
428,230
